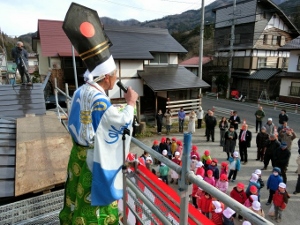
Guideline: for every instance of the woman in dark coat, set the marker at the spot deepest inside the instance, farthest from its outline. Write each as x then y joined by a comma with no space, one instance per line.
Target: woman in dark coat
230,141
159,121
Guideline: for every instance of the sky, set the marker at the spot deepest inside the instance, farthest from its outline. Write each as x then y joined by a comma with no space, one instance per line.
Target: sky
19,17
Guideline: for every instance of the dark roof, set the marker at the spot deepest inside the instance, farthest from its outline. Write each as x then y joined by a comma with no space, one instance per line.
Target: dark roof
293,45
168,78
7,159
289,74
262,74
17,101
128,42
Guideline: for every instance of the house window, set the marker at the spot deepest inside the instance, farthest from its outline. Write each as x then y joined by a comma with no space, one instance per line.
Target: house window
238,62
159,58
237,39
298,65
261,62
295,89
274,40
265,41
285,64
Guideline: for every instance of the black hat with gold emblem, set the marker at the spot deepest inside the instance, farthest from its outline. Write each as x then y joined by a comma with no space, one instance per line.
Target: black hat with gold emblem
83,27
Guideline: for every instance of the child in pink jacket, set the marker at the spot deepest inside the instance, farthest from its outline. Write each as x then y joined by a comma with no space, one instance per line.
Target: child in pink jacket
210,179
222,183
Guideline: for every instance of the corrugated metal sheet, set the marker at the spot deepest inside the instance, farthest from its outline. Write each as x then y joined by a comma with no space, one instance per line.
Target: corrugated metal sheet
17,101
7,157
128,42
170,78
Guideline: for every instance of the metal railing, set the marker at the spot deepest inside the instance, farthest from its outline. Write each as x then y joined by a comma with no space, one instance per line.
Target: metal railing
187,177
279,105
59,109
212,95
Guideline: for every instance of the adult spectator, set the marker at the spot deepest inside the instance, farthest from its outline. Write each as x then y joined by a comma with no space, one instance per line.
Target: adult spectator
245,138
211,123
235,120
20,57
297,188
287,135
223,125
281,159
261,140
191,124
259,115
283,117
200,114
283,126
181,117
159,121
270,127
168,116
269,152
230,141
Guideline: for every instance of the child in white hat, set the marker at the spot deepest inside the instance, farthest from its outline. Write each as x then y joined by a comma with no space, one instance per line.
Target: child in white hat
256,207
280,201
234,166
228,216
174,175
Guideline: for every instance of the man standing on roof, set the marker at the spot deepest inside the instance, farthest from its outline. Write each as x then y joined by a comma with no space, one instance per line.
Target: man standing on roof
20,57
94,175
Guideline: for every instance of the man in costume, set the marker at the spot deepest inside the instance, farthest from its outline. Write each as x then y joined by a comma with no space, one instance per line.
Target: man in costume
94,181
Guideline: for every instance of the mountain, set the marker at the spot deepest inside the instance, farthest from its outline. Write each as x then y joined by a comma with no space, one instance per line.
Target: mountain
185,27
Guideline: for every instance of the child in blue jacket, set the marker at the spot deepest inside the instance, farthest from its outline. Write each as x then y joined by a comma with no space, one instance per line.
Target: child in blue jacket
272,184
234,166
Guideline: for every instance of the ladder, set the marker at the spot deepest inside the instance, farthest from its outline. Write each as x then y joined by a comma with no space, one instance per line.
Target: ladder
264,97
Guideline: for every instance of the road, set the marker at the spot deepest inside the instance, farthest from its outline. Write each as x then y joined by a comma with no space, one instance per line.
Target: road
246,111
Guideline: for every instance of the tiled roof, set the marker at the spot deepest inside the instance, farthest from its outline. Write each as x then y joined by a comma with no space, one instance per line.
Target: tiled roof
128,42
194,62
170,78
289,74
17,101
293,45
262,74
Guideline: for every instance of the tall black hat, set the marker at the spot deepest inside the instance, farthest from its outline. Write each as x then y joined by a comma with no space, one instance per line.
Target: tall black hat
83,27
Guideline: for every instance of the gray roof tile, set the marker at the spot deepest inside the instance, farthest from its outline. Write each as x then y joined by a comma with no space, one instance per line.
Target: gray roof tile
138,43
293,45
262,74
168,78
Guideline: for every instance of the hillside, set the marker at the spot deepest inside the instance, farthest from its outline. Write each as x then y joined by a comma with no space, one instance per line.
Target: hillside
185,27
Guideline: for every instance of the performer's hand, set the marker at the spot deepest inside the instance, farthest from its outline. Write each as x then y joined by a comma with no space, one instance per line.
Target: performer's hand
131,96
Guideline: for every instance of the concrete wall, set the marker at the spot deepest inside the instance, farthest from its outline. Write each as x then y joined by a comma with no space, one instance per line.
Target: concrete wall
293,61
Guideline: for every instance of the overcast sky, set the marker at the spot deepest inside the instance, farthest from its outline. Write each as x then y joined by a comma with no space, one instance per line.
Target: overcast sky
19,17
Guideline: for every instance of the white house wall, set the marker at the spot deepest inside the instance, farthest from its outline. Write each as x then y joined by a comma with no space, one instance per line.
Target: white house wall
43,61
129,68
293,61
136,84
276,22
173,59
285,86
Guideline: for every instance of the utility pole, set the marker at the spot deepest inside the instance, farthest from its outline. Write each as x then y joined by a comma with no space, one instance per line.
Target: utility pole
201,43
232,38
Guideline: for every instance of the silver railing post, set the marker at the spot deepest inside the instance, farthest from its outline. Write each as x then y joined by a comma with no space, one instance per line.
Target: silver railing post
183,181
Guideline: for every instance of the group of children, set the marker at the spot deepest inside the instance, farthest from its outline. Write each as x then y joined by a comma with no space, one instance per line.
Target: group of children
206,168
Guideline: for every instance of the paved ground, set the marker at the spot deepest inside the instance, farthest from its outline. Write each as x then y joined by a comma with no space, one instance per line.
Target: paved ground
290,215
